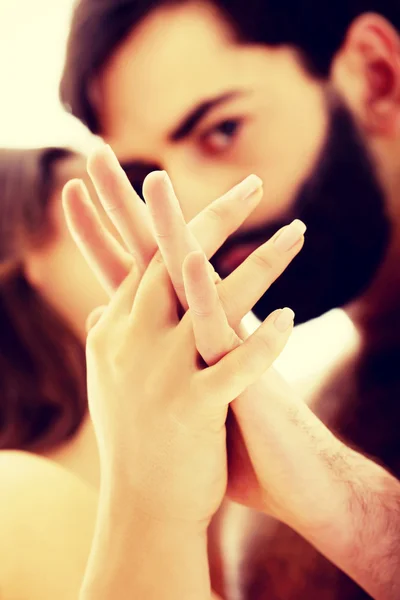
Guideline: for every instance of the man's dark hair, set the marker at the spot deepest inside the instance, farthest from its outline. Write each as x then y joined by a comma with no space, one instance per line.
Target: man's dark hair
315,28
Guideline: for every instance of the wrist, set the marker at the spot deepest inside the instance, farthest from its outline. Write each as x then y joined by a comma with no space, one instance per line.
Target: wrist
323,513
305,483
143,556
124,504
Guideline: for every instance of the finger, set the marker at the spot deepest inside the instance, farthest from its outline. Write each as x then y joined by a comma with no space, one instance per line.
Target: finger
242,289
111,262
174,239
213,335
214,224
94,317
123,206
123,299
156,304
242,367
104,255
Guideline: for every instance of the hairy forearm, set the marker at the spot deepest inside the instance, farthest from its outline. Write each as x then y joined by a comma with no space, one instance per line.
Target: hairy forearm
135,556
364,539
344,504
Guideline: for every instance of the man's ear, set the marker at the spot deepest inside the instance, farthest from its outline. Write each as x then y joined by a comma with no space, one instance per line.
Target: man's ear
367,73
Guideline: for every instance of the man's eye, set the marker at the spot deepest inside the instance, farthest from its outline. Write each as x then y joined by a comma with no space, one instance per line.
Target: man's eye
220,138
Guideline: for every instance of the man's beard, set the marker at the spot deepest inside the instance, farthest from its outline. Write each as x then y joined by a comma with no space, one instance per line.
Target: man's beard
348,230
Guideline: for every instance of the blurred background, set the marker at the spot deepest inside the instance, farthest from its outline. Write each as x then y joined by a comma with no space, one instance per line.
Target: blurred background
32,46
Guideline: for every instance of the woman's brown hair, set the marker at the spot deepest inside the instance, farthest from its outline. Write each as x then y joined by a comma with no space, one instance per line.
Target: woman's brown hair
42,363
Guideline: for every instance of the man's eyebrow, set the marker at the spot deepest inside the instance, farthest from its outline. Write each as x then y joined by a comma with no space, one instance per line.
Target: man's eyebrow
191,120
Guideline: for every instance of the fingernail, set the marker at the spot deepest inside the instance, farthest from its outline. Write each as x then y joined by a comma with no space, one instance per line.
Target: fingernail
249,186
110,156
284,320
167,180
171,191
290,236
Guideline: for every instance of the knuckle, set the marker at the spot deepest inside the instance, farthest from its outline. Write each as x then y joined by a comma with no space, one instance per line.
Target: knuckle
179,286
96,339
213,350
158,259
216,214
210,353
232,340
264,345
112,208
201,311
162,234
111,197
264,259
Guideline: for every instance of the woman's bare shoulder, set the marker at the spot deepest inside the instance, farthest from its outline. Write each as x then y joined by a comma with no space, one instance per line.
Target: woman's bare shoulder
47,518
17,463
27,478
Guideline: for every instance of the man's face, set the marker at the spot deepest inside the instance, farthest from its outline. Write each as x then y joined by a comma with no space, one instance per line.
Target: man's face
181,95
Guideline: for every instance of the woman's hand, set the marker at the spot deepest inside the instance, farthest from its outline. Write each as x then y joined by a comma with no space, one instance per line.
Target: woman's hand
159,418
158,415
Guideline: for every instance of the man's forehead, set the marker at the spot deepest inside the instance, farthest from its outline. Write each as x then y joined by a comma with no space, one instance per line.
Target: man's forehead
167,65
176,59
